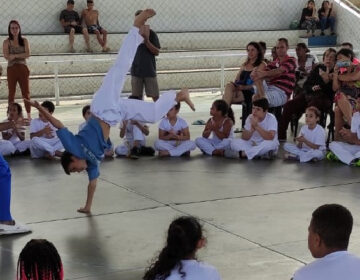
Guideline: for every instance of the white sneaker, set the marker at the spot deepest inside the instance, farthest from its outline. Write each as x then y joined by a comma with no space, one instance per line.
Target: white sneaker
13,229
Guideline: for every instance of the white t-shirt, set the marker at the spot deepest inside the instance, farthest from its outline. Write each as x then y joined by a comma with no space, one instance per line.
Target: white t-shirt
195,270
37,125
177,127
316,136
268,123
340,265
355,124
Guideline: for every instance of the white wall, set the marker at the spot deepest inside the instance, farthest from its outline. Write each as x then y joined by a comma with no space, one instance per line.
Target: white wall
39,16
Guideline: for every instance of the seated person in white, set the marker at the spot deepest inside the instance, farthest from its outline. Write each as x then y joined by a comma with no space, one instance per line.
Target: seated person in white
349,152
259,138
219,127
177,260
86,113
311,142
174,135
44,142
14,139
328,240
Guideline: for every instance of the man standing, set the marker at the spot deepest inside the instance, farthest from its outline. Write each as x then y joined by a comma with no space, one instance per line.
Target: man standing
70,21
91,19
143,70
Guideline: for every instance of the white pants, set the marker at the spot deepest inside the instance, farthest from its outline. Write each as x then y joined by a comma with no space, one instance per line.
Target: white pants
207,145
253,151
276,96
39,146
107,104
304,155
6,148
345,152
124,149
174,149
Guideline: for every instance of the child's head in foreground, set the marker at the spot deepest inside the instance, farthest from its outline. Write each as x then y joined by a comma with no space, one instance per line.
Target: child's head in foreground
184,238
39,260
329,230
49,106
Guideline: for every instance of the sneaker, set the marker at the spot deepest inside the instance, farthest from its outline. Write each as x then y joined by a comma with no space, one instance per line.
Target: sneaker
290,156
147,151
134,153
332,157
186,154
13,229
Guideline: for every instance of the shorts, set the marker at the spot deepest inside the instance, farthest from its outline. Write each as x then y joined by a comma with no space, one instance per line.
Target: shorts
150,83
276,96
93,28
78,29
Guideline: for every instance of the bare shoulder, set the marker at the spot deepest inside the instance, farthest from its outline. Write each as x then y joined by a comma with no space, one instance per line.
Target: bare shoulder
229,122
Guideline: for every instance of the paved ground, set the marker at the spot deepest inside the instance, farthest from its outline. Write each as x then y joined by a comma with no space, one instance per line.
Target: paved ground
255,214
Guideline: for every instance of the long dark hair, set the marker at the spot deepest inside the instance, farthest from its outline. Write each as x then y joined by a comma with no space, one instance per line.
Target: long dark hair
346,52
39,260
225,109
323,5
260,56
184,233
11,37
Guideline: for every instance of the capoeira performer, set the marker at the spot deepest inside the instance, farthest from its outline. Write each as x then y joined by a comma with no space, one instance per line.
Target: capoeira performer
84,150
349,152
259,138
311,140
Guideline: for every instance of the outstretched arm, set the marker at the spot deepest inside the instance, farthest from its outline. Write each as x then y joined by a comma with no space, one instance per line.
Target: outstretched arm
54,121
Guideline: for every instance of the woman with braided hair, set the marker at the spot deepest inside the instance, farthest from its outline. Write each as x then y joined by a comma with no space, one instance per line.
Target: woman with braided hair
39,260
177,259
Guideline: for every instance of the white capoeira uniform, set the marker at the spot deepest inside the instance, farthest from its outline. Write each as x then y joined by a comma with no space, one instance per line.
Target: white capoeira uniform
256,145
41,146
15,143
348,152
174,147
132,133
6,148
208,145
107,104
305,153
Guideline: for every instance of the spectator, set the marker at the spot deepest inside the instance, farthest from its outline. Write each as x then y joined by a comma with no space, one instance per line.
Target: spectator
241,91
39,260
327,17
346,83
16,50
317,92
91,19
277,81
70,21
309,18
143,69
328,239
348,45
306,63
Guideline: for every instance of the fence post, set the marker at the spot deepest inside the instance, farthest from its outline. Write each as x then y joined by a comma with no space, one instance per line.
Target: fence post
56,84
222,73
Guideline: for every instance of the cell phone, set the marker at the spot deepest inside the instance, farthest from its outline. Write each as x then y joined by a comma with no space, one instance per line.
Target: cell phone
341,64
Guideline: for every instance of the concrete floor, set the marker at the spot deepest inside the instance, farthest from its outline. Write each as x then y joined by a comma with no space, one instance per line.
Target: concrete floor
255,214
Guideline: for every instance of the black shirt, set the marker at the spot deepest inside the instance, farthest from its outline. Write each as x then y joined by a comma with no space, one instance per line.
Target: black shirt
69,16
315,79
305,13
144,64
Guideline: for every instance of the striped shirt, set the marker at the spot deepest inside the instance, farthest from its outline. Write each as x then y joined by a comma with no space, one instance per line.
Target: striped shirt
286,81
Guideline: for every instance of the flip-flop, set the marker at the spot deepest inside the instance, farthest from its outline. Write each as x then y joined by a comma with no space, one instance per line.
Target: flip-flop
199,122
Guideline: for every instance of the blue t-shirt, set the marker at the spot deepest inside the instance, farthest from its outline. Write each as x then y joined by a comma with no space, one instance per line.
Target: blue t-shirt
88,144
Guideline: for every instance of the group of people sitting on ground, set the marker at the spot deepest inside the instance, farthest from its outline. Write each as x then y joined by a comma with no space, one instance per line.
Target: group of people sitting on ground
87,24
324,18
328,239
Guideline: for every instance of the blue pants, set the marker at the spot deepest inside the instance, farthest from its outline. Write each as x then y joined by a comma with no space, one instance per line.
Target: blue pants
5,190
326,22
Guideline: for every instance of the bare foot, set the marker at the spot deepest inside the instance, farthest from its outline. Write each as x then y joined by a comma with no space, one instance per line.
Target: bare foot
183,95
58,153
84,210
143,17
105,49
164,154
219,153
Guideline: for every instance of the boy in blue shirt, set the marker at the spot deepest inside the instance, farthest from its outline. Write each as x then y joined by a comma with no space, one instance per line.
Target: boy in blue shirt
84,150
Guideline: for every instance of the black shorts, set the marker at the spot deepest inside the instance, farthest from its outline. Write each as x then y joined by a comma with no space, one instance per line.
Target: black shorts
93,28
78,28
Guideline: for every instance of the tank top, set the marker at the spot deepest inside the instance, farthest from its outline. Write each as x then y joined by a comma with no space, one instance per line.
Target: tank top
16,50
245,78
217,139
